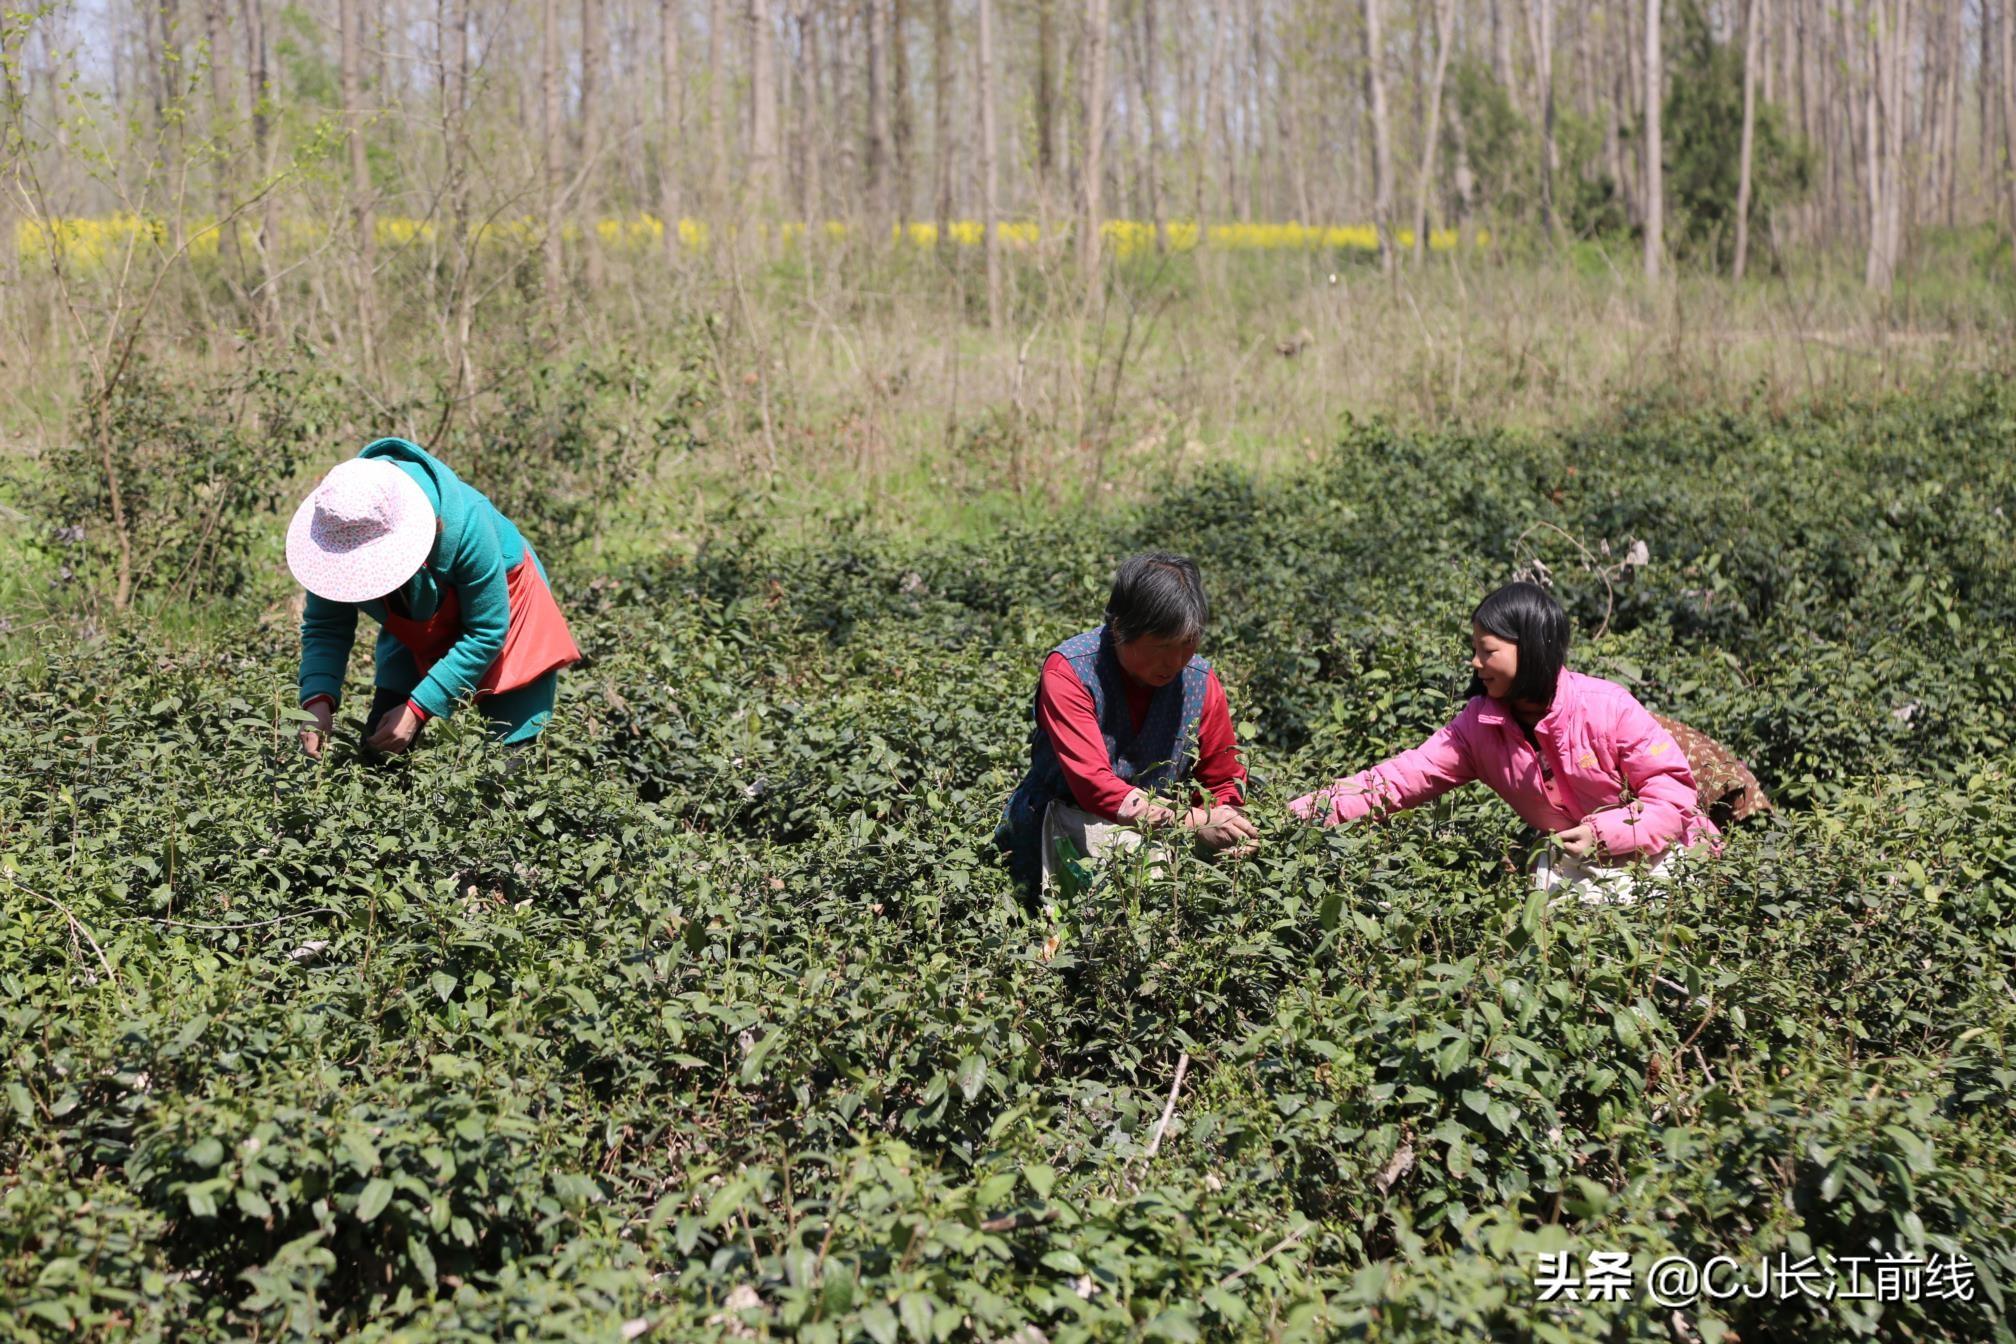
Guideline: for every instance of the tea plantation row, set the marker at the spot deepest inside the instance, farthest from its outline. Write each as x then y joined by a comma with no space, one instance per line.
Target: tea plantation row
714,1016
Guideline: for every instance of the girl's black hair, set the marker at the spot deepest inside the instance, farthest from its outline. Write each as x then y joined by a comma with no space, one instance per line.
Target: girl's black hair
1527,615
1156,593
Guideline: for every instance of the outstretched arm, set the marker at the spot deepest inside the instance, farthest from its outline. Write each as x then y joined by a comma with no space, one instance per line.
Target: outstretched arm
1409,779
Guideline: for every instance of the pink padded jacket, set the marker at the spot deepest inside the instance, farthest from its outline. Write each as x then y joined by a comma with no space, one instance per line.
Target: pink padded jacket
1597,743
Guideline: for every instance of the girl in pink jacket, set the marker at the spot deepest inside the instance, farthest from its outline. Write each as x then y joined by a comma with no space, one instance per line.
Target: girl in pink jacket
1578,758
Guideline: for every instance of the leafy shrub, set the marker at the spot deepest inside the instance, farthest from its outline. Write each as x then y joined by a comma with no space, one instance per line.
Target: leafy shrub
201,467
713,1015
561,447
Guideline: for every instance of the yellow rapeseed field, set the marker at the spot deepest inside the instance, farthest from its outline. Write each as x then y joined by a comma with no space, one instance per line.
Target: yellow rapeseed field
88,241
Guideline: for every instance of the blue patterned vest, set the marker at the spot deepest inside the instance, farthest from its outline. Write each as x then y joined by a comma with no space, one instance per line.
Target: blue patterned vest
1162,752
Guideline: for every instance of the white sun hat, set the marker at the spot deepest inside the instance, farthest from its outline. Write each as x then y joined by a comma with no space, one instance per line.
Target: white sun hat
361,533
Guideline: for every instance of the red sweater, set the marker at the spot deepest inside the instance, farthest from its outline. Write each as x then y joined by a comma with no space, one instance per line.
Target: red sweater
1064,710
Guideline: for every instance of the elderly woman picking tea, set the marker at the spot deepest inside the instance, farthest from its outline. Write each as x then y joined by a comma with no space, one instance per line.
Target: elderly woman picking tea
460,598
1122,712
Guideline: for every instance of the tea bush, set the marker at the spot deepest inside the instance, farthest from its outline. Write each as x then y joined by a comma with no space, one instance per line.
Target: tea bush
561,446
713,1015
200,464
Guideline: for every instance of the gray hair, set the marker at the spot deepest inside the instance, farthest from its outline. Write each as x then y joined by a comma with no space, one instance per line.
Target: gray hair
1157,593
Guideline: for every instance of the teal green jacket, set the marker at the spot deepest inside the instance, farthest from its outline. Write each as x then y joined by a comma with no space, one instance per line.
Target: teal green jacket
473,550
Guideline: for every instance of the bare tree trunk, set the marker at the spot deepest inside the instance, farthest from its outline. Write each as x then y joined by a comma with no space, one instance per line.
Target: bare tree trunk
12,116
1782,57
1851,162
1091,172
809,194
1611,107
762,107
1214,93
223,128
1749,135
1334,135
1046,109
941,122
900,122
717,115
1151,108
1818,84
555,185
1850,208
1984,101
626,184
264,152
1540,26
1356,196
847,108
1465,179
990,206
878,119
1128,200
778,13
352,24
1809,93
1417,77
1252,149
1628,92
1788,50
588,203
1761,58
374,46
1655,173
2006,65
1445,33
1876,141
1236,199
454,39
1896,115
1299,113
1254,69
671,125
1931,128
1874,274
1633,29
1921,132
1123,196
1382,148
60,59
1586,83
1501,52
152,19
1186,49
1955,52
